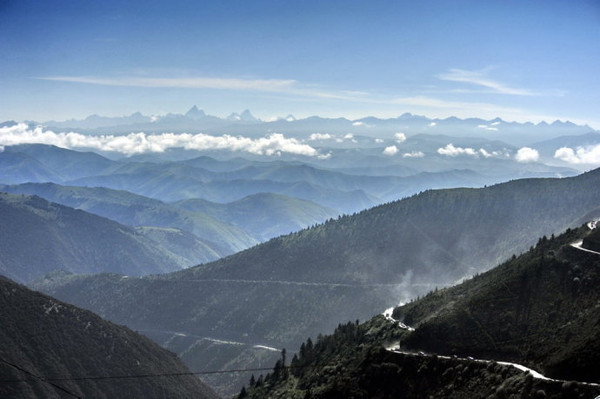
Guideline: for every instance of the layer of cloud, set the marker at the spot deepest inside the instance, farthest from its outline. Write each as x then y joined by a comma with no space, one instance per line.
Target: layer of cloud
139,143
580,155
391,150
526,154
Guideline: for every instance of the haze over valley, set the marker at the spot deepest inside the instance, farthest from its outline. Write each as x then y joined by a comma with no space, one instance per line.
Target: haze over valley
299,200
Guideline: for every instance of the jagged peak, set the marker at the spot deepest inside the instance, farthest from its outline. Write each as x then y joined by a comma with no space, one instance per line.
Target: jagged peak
195,113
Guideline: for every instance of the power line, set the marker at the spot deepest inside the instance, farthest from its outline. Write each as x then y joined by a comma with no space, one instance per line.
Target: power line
125,376
37,378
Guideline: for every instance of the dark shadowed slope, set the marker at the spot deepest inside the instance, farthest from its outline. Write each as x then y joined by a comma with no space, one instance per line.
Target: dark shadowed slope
54,350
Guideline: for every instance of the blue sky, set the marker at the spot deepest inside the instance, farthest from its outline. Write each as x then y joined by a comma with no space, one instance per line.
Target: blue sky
519,60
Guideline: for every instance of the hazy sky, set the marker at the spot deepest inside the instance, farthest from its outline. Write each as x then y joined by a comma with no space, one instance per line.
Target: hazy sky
519,60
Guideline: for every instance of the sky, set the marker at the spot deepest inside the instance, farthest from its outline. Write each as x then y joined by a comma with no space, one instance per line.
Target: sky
517,60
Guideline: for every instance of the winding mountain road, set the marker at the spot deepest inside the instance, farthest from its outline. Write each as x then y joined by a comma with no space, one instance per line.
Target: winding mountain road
579,243
520,367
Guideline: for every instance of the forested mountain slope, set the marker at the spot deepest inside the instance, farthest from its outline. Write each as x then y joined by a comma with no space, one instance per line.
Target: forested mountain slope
539,309
432,237
51,349
38,237
281,291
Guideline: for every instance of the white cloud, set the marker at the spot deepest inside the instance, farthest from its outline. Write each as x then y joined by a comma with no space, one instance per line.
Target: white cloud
359,123
283,86
413,154
452,151
432,124
190,83
139,143
319,136
526,154
400,137
486,127
348,137
479,78
391,150
580,155
378,141
484,153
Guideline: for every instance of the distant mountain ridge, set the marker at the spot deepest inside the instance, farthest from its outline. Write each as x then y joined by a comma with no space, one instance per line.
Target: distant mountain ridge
332,185
196,120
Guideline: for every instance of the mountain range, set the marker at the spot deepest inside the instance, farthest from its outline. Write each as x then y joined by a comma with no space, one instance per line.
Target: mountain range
196,120
296,225
277,293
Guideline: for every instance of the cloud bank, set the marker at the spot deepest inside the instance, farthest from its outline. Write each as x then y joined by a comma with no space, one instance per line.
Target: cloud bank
139,143
579,155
